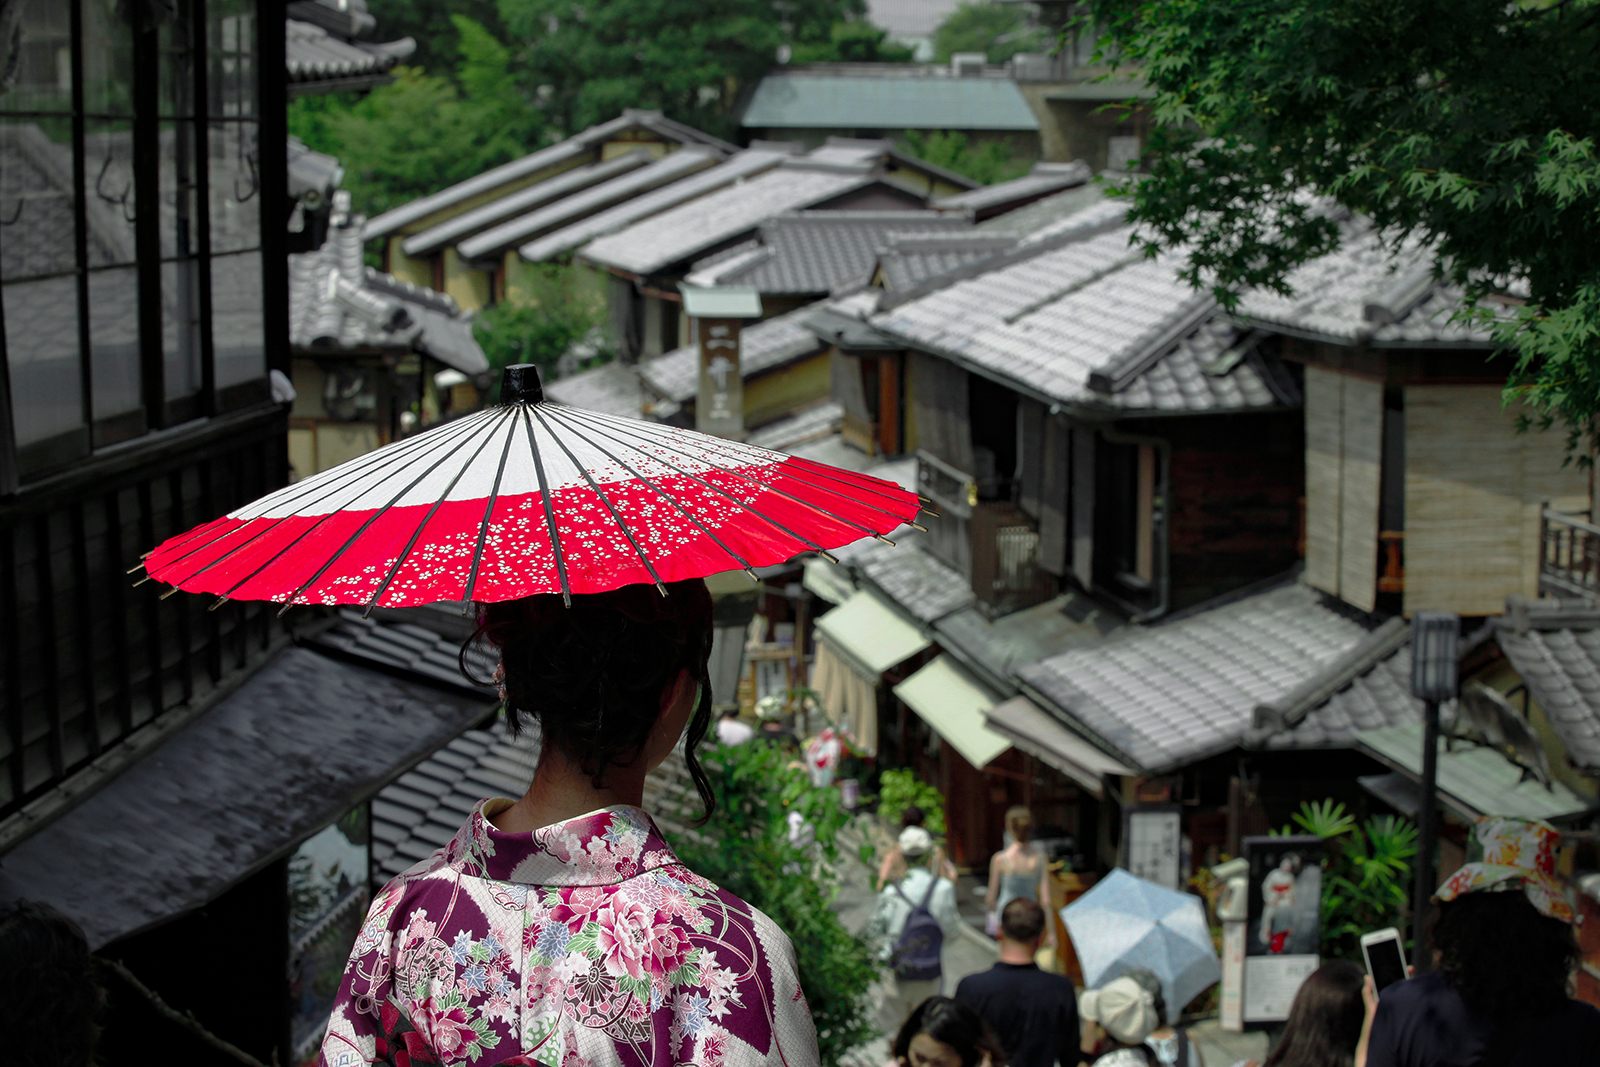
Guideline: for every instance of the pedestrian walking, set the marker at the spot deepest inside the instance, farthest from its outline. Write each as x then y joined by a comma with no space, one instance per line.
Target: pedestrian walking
1034,1012
1505,951
910,922
1171,1044
940,1032
893,868
1018,870
560,926
1116,1020
730,731
1329,1020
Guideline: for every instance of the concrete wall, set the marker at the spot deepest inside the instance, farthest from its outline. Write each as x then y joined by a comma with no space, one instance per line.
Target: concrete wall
1079,129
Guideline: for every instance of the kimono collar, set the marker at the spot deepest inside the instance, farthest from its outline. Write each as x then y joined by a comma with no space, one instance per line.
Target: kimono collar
603,847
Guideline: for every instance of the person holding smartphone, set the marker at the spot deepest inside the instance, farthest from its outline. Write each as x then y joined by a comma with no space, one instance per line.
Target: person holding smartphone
1505,951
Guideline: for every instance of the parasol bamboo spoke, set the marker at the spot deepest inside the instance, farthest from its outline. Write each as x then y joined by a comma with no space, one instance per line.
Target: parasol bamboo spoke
549,509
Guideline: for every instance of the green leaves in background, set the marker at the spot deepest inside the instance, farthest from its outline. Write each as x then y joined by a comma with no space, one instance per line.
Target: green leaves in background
899,789
998,30
1366,884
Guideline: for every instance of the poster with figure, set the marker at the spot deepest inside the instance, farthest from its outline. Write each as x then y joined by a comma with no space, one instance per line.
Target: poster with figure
1282,929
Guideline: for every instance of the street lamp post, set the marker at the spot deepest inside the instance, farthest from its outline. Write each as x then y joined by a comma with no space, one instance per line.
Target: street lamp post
1435,664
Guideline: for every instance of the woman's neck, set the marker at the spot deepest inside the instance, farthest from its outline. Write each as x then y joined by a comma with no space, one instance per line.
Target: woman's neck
562,791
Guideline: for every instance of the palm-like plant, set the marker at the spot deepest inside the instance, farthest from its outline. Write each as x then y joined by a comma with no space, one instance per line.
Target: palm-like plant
1365,883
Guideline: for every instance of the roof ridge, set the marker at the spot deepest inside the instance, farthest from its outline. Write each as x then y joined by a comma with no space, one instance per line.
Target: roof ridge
1274,717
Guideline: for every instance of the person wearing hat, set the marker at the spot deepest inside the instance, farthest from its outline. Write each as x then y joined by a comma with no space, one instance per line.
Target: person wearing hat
1116,1019
919,888
1500,991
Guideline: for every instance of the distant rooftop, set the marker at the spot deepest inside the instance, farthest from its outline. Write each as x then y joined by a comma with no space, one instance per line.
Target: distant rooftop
762,346
1042,180
322,53
900,97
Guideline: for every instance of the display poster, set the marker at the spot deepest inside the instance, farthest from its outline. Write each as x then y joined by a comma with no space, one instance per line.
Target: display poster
1282,931
1153,844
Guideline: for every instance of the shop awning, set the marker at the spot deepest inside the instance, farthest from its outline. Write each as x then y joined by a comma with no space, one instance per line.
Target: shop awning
868,629
1473,780
829,581
1031,729
848,696
954,703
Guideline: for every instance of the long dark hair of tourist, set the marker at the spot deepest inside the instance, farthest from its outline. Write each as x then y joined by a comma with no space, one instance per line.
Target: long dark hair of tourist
48,986
592,674
1325,1019
955,1025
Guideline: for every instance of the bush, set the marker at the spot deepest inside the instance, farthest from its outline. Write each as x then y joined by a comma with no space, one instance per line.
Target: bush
747,852
1367,881
552,315
899,789
987,162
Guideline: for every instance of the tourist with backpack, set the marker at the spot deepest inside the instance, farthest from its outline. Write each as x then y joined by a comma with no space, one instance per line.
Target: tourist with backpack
913,917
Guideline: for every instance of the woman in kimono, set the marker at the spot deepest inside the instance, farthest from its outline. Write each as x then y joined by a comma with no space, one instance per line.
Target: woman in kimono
559,928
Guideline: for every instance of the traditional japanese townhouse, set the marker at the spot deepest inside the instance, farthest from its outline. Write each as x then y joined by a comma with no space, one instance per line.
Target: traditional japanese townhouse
162,764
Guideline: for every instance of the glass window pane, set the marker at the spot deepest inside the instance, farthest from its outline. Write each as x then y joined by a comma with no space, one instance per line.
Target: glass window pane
178,235
107,57
42,354
180,327
36,208
238,345
114,340
108,194
235,187
232,55
43,80
177,66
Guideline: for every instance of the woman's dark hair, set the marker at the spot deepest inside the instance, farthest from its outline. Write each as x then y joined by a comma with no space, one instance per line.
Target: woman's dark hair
1509,963
592,674
954,1024
1150,984
47,984
1325,1019
911,815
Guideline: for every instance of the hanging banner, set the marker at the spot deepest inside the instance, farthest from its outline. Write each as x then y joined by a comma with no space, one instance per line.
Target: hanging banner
1153,844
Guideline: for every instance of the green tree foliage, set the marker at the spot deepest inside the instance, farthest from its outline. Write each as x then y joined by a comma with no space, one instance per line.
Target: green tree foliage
746,850
431,25
552,313
856,41
1367,881
997,30
1470,123
583,62
899,789
986,161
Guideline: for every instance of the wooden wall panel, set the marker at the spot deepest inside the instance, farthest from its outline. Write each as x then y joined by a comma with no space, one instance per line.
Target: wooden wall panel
1473,492
1324,434
1359,479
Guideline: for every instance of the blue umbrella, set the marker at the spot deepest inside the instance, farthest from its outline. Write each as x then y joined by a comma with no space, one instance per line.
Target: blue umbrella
1126,922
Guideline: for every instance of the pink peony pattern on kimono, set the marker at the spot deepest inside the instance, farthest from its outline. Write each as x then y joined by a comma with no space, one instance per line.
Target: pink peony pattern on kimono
637,941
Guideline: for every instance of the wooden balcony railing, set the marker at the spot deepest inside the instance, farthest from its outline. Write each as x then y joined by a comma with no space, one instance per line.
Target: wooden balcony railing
1569,555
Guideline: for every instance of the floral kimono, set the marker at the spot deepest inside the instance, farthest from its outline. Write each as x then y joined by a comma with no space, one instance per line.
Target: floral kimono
582,944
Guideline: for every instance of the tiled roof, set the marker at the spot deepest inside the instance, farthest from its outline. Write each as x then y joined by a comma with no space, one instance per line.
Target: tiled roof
576,145
907,261
814,422
396,642
740,167
1084,320
1365,292
611,387
767,344
1167,695
811,252
537,195
622,189
686,231
995,648
829,101
1046,212
337,302
1561,665
1045,178
923,586
312,54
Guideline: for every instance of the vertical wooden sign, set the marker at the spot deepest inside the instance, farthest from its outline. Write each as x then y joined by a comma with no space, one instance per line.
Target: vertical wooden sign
719,407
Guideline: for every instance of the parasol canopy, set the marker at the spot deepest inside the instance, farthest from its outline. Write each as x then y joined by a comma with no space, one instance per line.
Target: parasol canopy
528,497
1126,922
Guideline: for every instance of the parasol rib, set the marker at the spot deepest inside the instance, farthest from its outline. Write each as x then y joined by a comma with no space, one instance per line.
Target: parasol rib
383,587
488,510
867,530
339,486
611,510
549,510
619,461
353,538
723,492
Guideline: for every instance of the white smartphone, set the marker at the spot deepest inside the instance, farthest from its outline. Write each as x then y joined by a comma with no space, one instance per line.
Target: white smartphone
1385,954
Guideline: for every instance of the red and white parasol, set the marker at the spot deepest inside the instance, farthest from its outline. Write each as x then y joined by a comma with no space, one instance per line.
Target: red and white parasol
528,497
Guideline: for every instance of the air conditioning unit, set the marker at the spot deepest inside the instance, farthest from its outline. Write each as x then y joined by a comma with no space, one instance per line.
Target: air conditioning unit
968,63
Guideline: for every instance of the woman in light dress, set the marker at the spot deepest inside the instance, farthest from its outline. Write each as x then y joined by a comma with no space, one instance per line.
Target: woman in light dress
1018,870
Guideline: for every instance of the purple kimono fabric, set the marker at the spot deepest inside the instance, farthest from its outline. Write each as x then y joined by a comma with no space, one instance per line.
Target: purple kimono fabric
583,944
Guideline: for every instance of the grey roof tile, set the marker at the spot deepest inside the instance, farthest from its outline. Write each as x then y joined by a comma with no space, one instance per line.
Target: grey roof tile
767,344
926,588
936,100
424,653
907,261
996,647
1167,695
812,252
313,54
813,423
337,302
611,387
1042,180
1562,670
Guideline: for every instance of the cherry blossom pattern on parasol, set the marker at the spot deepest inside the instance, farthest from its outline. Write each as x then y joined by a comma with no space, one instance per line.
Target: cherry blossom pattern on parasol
526,497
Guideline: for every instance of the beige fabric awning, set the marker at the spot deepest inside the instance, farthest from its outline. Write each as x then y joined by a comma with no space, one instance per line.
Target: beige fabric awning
829,581
953,702
1033,730
868,629
849,697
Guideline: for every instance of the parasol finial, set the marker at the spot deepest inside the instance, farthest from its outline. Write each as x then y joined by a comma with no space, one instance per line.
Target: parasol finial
519,384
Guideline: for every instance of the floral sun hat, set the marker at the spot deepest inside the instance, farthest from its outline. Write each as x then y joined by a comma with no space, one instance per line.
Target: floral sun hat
1517,854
